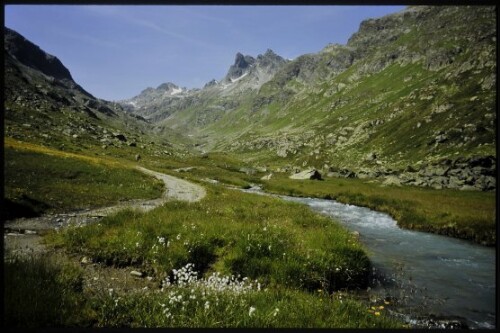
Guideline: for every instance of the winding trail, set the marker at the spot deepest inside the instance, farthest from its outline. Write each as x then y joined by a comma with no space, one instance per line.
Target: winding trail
23,234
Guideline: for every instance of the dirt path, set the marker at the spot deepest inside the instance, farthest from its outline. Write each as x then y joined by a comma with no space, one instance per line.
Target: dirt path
23,235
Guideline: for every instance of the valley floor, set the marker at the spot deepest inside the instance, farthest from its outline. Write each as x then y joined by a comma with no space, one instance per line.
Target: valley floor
246,260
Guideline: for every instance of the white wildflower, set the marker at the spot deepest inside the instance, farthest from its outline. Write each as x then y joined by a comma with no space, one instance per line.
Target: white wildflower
276,311
251,311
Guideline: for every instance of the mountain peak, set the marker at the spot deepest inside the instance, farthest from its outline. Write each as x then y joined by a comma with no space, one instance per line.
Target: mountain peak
33,56
270,52
167,86
241,65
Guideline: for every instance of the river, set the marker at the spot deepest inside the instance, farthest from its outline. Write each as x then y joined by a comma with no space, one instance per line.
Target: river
429,275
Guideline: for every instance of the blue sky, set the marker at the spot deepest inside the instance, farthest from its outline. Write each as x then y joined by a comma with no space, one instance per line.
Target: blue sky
115,52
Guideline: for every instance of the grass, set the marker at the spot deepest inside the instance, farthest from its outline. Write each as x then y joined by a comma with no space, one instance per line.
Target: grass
194,307
40,179
41,292
48,293
461,214
286,257
231,232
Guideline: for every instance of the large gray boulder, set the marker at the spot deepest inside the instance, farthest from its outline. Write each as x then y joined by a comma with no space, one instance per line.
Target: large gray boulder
307,174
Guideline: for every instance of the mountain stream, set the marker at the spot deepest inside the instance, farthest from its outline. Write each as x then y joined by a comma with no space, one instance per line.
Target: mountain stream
428,275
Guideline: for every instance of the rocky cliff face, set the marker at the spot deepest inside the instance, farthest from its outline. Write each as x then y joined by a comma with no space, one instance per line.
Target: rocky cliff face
45,105
408,91
29,54
245,76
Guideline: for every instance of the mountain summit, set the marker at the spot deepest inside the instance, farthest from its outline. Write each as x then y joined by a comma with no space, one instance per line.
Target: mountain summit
267,63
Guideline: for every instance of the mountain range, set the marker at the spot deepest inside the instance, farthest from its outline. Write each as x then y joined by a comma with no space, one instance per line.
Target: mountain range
410,99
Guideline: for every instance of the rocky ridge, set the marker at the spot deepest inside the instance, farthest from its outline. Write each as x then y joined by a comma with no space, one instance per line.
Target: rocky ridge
245,75
43,103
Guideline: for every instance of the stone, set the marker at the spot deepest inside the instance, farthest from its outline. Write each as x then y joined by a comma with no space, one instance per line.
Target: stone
267,177
440,138
136,273
186,169
120,137
248,171
468,188
137,157
392,181
86,260
307,174
371,157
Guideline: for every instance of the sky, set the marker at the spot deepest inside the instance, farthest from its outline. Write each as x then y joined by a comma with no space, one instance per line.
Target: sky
116,51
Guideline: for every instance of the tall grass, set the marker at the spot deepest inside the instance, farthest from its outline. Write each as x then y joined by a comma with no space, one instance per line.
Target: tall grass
235,233
230,260
40,292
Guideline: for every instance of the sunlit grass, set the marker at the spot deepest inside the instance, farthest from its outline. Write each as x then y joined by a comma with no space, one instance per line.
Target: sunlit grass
230,260
36,182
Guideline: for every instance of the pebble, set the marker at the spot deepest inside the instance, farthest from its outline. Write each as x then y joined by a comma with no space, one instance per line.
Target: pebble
136,273
86,260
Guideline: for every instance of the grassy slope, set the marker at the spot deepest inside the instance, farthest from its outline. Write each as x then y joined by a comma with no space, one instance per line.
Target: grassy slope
401,94
40,179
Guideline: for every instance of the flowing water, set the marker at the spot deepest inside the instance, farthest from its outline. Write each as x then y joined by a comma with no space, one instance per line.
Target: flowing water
430,275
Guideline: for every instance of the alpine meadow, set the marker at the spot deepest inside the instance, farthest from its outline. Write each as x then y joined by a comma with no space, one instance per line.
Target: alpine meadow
351,187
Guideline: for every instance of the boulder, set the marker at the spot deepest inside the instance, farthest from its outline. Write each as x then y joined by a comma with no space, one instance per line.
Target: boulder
392,181
307,174
371,157
267,177
120,137
248,171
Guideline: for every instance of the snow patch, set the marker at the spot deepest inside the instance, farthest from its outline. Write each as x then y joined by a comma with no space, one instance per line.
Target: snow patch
175,91
238,78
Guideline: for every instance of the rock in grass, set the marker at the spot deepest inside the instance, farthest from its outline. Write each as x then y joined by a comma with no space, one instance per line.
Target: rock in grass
86,260
267,177
136,274
307,174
